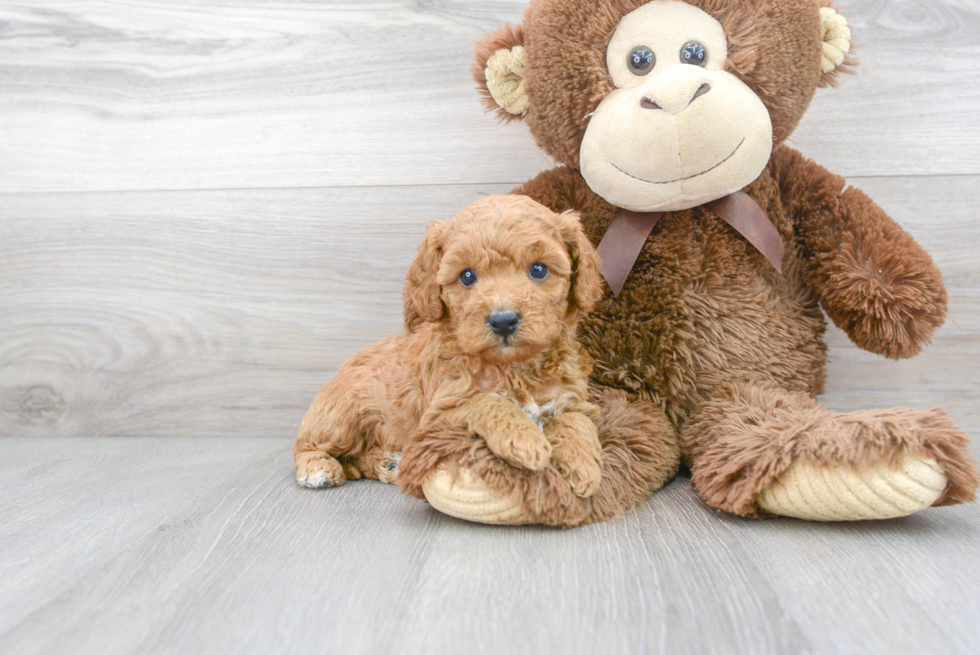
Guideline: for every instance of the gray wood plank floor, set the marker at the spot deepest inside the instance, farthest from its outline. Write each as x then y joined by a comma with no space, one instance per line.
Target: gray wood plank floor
206,207
207,545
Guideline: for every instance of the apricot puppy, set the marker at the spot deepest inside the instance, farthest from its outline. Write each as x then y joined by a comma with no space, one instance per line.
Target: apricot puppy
492,301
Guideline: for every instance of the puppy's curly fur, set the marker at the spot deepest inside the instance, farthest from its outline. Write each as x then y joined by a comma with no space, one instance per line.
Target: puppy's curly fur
522,391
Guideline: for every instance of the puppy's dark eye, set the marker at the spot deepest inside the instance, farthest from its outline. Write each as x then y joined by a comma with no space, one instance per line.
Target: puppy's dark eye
467,278
538,271
693,52
641,60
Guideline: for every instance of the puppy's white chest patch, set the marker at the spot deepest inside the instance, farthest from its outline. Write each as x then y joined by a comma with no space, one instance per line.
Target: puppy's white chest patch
540,414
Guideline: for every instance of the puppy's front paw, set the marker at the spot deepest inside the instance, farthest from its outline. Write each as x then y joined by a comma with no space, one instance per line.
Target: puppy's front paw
316,469
522,446
577,452
581,467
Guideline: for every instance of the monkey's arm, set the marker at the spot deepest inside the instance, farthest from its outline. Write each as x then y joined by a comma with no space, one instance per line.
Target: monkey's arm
872,278
561,189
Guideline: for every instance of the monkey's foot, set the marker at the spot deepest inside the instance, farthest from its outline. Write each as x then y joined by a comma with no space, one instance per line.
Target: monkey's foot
471,499
824,493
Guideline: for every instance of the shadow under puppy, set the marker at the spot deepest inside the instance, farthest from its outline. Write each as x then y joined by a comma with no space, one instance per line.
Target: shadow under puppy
489,355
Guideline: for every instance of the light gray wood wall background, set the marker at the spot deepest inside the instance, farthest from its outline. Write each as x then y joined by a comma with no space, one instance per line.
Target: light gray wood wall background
207,206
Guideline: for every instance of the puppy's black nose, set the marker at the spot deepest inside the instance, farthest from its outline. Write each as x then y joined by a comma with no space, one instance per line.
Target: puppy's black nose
504,321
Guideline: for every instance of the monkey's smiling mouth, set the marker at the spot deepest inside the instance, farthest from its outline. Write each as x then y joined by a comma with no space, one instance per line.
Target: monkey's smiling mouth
681,179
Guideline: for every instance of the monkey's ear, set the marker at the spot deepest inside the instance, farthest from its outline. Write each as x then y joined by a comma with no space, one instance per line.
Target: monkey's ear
835,57
586,288
422,297
498,67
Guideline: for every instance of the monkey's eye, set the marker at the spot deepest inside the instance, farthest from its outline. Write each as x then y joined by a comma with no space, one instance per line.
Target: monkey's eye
467,278
538,271
693,52
641,60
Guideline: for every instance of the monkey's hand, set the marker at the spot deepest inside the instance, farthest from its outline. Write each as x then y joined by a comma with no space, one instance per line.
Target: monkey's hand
872,278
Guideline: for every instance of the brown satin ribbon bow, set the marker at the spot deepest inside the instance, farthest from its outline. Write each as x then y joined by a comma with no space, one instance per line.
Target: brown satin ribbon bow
624,239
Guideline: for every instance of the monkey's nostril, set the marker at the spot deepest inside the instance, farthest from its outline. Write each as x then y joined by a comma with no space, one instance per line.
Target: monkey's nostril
646,103
704,88
504,322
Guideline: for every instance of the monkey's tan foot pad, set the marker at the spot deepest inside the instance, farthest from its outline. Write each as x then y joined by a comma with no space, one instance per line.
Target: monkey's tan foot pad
469,498
823,493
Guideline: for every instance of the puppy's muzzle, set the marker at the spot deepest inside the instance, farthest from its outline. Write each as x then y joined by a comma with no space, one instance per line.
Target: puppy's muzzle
504,322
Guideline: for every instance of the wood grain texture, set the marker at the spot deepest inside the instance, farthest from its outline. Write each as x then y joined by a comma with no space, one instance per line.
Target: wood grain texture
222,313
162,94
207,545
197,312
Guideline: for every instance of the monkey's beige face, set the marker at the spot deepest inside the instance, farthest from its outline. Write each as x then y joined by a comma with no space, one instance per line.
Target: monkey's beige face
505,283
677,131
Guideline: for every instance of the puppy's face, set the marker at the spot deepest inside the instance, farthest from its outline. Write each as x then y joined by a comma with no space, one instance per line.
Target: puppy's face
507,274
505,284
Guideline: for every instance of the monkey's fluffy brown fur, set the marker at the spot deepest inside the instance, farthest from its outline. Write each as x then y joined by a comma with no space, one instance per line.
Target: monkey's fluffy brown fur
523,396
728,351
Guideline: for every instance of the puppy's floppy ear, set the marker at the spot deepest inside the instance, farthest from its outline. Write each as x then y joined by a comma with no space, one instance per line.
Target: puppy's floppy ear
498,68
422,294
586,287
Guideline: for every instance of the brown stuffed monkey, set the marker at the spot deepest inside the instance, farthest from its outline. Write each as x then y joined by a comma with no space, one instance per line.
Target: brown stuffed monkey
721,246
